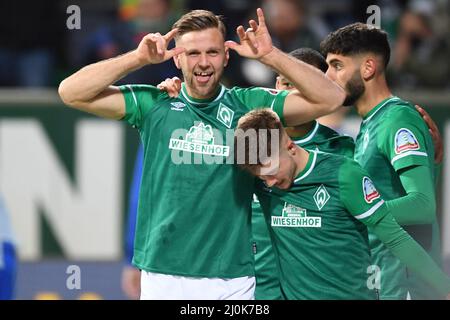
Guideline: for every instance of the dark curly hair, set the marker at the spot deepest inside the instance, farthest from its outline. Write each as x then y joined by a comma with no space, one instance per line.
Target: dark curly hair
310,56
357,38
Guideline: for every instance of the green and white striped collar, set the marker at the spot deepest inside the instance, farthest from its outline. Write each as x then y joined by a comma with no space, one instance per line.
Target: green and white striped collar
309,136
309,166
202,101
378,108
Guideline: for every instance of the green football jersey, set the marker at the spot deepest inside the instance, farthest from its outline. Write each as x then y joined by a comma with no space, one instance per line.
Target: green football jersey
319,138
194,213
318,229
393,137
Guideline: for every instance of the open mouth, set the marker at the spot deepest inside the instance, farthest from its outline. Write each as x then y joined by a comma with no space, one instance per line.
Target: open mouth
203,77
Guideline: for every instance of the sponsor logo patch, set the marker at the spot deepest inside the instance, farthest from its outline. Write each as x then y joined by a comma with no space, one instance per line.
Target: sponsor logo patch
177,106
200,139
370,193
295,217
405,140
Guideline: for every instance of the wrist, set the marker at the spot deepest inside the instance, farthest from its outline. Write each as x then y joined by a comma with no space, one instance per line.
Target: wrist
136,60
270,57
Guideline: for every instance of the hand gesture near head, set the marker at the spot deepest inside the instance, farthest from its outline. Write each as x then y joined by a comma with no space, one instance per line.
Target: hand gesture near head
153,48
255,42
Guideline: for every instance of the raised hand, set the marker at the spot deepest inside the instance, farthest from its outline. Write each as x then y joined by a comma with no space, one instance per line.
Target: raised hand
153,48
255,42
435,135
171,85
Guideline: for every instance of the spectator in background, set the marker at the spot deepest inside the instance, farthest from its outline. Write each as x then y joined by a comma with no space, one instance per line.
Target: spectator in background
288,22
420,57
135,19
30,37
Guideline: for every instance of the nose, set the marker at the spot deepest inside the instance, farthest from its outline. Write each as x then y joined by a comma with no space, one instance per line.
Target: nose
204,61
330,74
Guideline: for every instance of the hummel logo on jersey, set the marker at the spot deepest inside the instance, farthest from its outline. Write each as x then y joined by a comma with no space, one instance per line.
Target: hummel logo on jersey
405,140
200,139
295,217
177,106
321,197
225,115
370,193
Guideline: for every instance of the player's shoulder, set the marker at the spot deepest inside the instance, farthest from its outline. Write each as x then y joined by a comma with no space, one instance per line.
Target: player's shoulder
329,159
253,90
400,110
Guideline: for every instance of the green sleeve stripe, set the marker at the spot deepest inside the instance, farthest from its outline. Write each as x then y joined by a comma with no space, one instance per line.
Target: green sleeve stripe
278,109
370,212
409,153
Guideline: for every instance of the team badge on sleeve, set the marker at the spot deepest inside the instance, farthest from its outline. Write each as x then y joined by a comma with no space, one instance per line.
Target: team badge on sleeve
405,140
370,193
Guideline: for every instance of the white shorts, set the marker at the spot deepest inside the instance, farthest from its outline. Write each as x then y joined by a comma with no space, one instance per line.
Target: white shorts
157,286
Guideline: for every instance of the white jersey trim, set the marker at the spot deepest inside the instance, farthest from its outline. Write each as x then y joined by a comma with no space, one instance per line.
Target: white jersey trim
134,96
313,164
380,107
222,91
409,153
370,212
310,136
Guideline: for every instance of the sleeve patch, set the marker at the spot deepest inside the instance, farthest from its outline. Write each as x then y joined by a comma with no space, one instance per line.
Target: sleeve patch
369,190
405,140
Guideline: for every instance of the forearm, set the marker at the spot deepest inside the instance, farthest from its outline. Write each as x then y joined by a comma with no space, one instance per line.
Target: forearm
92,80
419,205
411,253
313,85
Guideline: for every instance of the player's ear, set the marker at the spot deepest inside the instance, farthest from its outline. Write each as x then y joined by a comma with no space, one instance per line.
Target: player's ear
278,83
176,60
291,147
227,56
369,68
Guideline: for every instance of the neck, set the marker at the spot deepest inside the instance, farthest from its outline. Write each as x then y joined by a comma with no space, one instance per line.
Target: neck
197,95
375,93
301,131
301,159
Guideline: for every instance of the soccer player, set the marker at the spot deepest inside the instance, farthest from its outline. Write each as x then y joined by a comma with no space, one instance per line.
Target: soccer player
193,228
393,145
311,136
318,206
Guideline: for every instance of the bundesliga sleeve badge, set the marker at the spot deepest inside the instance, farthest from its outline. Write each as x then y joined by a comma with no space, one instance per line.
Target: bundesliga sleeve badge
405,140
370,193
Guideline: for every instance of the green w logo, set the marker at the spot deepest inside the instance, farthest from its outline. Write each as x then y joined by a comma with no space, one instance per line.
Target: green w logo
321,197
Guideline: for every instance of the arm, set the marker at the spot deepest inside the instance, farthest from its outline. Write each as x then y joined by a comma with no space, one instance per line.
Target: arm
435,134
419,205
256,43
410,253
362,200
90,89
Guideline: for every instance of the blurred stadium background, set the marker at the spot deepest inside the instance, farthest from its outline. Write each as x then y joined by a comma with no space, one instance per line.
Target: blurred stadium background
65,175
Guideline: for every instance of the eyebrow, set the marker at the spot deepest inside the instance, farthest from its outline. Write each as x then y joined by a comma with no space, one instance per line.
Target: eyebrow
334,60
207,50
